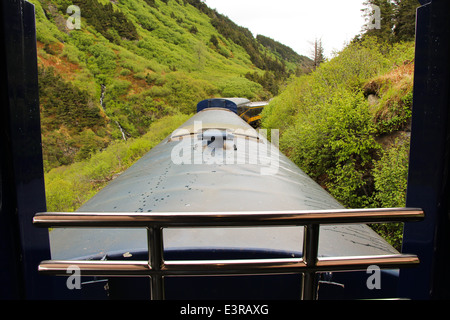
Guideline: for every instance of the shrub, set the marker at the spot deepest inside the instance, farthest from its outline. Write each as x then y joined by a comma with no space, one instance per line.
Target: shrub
333,143
185,92
390,174
240,87
60,195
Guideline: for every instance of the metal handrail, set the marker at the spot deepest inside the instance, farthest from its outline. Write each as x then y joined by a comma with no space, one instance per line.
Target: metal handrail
157,267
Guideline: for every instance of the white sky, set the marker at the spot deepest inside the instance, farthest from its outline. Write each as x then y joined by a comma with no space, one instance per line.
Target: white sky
296,23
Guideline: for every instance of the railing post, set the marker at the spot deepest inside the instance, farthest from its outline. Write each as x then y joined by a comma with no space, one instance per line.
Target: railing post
310,252
156,253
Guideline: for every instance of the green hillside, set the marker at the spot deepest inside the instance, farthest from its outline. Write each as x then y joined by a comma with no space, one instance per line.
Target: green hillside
132,62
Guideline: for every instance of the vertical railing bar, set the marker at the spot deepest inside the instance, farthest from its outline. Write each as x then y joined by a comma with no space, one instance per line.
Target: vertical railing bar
156,258
310,253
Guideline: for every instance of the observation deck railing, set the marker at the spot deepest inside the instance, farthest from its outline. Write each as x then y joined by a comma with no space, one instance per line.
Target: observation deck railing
157,267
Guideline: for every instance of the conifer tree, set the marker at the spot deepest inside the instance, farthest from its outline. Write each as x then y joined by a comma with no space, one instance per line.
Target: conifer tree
386,10
405,19
397,19
318,55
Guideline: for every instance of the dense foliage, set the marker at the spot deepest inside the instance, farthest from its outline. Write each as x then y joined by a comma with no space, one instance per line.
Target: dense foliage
339,122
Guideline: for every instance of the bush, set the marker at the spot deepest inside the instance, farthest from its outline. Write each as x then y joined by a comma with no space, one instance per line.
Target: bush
60,195
241,87
333,143
390,175
186,92
394,90
103,57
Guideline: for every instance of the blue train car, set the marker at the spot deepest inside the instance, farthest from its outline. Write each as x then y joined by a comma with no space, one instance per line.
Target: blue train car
232,104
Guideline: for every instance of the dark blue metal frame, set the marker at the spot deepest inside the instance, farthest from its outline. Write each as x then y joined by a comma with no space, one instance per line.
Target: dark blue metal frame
428,182
22,191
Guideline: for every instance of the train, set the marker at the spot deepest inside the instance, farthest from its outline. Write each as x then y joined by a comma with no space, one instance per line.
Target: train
217,162
252,112
249,111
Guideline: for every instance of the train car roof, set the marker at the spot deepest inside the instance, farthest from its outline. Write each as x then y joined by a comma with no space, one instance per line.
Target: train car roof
215,118
156,183
226,103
